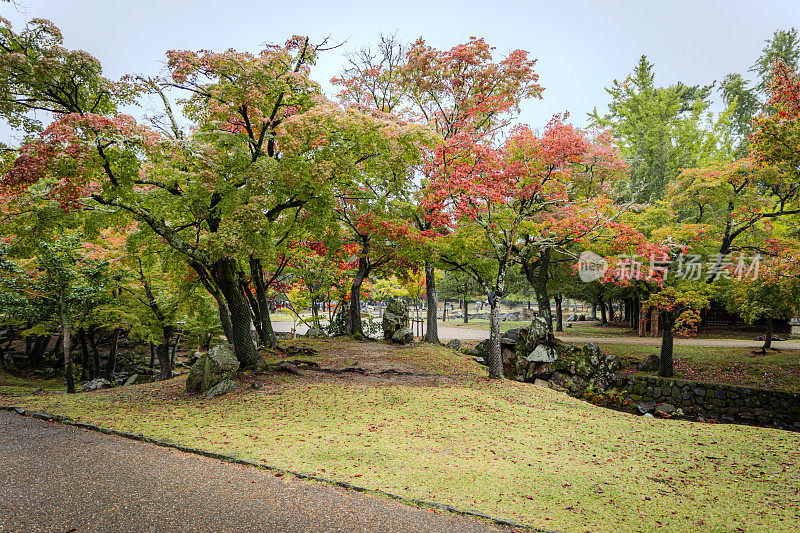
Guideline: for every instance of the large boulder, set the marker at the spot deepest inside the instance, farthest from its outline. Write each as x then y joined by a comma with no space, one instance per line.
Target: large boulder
217,365
136,379
395,317
509,358
538,331
454,345
650,363
141,369
542,354
483,348
510,337
96,384
403,336
8,362
315,333
223,387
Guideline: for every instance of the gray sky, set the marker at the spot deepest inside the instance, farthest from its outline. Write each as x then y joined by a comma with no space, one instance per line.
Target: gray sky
581,45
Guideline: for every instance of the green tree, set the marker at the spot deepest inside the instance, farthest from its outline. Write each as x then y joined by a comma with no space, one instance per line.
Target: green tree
61,278
783,47
458,285
659,128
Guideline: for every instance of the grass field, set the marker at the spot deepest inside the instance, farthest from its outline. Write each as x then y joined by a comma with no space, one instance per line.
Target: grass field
730,365
18,386
479,323
594,329
434,427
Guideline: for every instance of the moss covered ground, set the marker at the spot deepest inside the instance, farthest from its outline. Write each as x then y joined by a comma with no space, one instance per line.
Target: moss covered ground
424,422
775,370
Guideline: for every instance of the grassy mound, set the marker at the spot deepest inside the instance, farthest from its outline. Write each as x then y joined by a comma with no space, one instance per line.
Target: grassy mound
425,423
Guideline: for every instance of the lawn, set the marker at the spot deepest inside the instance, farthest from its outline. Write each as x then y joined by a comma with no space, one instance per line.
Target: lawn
424,422
17,386
731,365
479,323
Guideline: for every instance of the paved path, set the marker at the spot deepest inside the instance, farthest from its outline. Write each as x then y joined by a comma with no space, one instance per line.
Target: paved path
58,478
463,333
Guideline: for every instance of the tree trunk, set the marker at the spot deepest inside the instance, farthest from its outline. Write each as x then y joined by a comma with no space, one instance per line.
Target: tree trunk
594,311
268,338
174,349
770,325
112,356
559,312
226,276
255,312
538,277
666,323
85,356
432,330
495,350
93,346
152,356
213,289
66,345
465,307
354,326
611,310
603,316
162,352
39,347
495,353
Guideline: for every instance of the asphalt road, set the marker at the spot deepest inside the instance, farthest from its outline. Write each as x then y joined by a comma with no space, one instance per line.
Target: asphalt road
57,478
463,333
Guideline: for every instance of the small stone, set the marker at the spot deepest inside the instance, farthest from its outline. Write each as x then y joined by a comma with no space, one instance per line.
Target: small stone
454,344
645,407
541,383
666,410
649,415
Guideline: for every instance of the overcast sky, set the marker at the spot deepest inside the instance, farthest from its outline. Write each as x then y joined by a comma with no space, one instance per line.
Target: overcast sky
580,45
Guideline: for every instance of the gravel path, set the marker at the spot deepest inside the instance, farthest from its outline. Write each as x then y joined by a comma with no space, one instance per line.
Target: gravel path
58,478
447,332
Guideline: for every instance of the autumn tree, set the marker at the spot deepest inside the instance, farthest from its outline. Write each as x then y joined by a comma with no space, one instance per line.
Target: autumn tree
514,202
463,91
265,147
776,132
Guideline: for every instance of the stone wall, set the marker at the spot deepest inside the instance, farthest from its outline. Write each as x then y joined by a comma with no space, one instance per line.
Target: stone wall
727,403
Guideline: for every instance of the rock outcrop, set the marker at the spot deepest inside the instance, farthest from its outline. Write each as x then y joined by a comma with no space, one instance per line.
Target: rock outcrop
217,365
395,317
531,354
